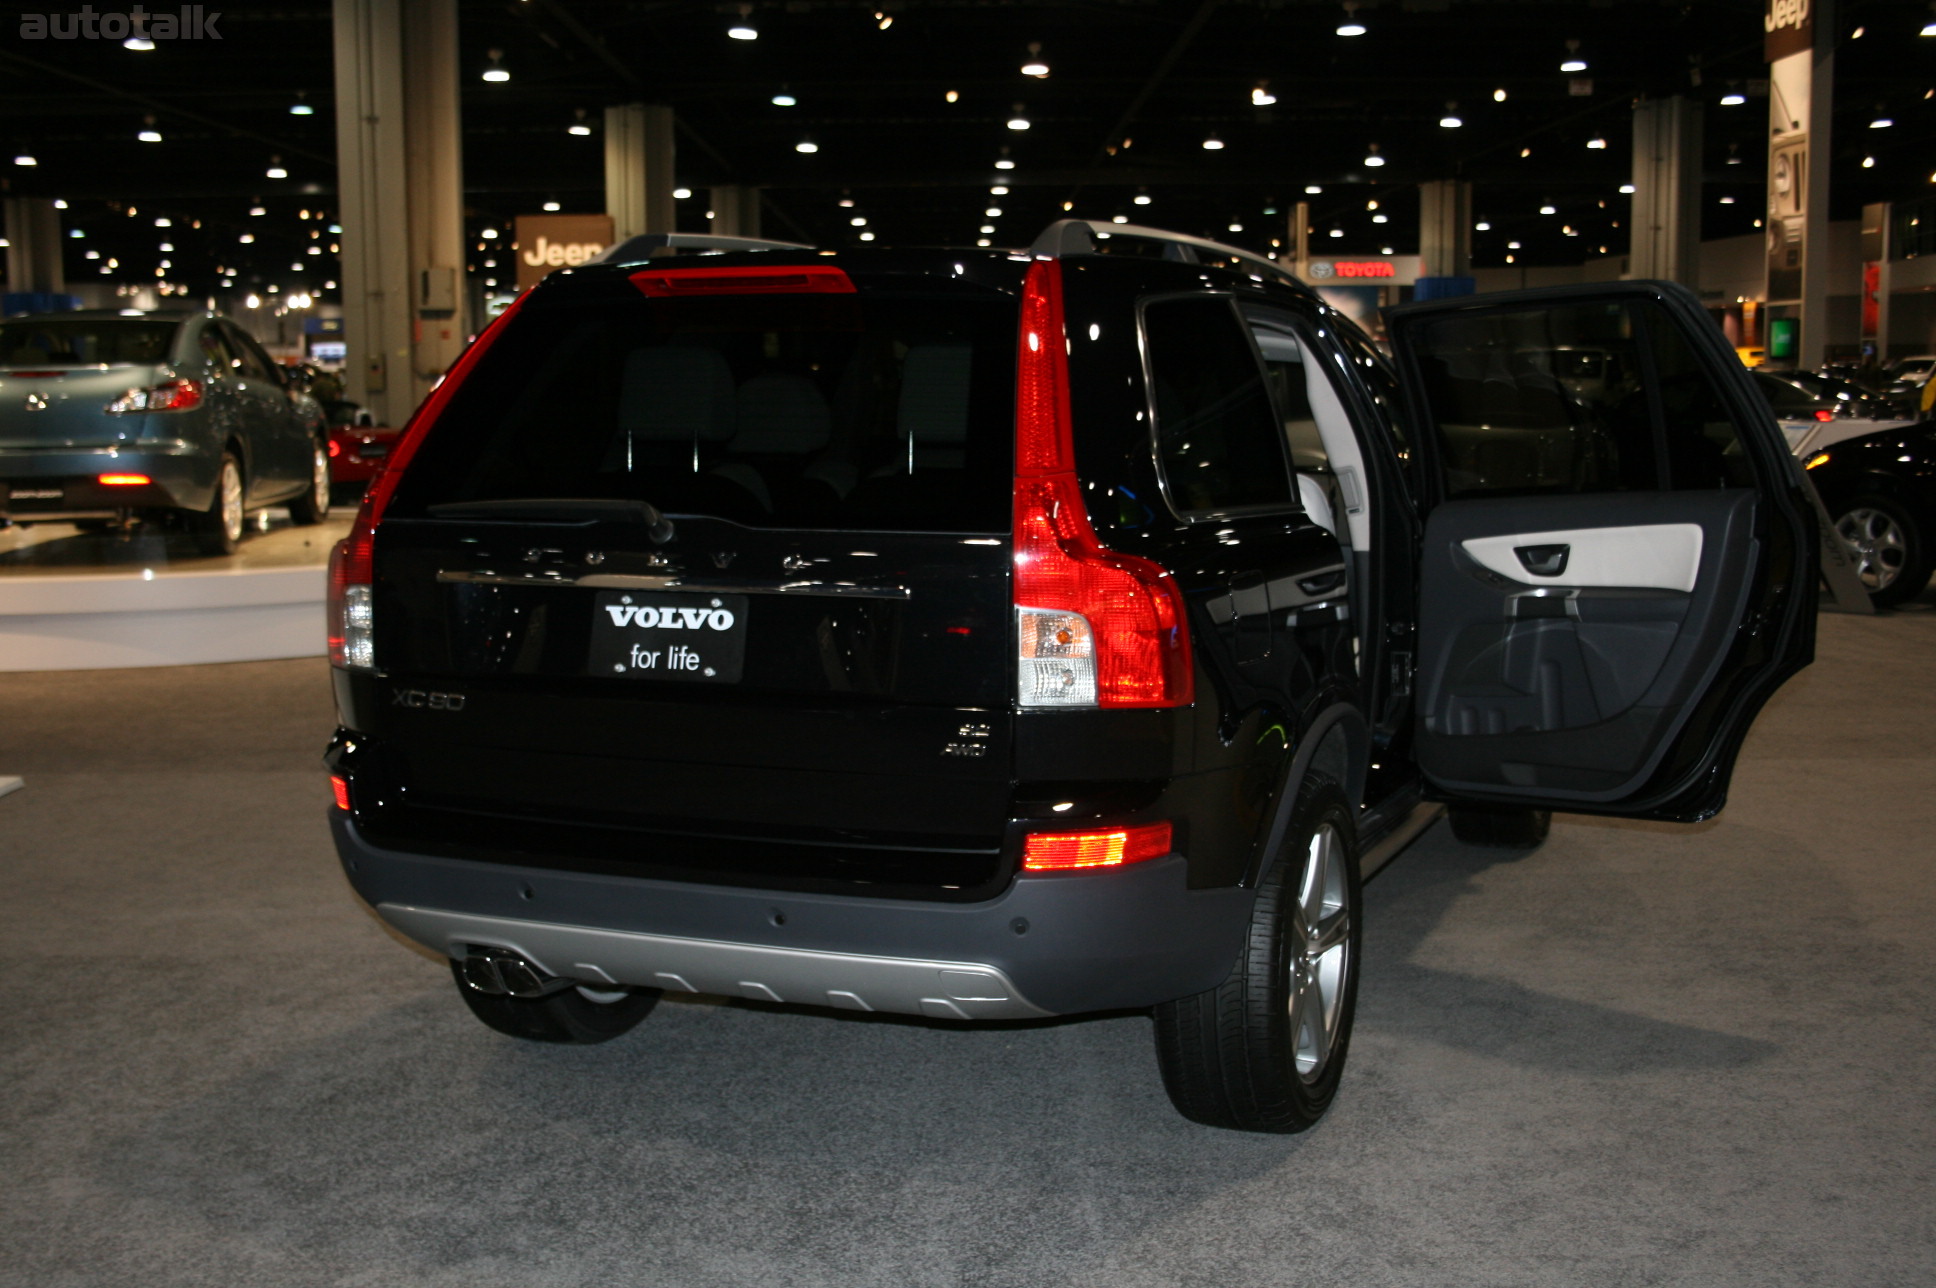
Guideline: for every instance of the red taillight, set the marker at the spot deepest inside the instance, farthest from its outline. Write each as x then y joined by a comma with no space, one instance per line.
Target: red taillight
124,480
1062,851
1824,414
335,448
812,279
351,562
339,787
175,395
1095,627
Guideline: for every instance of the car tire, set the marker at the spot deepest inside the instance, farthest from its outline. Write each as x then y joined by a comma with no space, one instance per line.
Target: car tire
218,529
313,505
1264,1050
575,1016
1891,552
1504,827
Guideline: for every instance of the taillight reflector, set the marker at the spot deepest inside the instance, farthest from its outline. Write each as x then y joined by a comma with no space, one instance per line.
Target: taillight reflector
1094,627
1064,851
351,626
339,787
805,280
124,480
1824,414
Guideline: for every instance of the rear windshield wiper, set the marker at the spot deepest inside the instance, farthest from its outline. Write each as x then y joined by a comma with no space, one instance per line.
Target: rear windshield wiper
562,509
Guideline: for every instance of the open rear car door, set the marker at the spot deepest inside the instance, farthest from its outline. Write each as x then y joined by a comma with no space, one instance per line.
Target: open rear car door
1619,564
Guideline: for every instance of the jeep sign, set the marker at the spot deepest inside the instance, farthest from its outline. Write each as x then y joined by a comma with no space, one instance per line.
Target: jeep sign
547,243
1790,28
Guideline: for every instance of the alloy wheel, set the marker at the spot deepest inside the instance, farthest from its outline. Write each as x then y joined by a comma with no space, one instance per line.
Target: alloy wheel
232,516
1880,547
1320,950
319,479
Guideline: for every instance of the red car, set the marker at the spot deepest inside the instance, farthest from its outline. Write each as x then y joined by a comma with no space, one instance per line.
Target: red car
357,452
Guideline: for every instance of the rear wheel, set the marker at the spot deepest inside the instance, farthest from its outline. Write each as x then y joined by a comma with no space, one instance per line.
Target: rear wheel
576,1016
1264,1050
1891,556
1506,827
218,529
313,505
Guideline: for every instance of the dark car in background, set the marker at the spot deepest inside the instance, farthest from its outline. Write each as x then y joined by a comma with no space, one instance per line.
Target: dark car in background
172,417
1880,490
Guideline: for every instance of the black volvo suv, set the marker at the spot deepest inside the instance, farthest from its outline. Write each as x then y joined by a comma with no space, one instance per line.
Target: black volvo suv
989,635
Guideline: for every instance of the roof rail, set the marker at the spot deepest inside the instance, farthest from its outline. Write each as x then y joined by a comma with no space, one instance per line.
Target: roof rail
1079,237
636,249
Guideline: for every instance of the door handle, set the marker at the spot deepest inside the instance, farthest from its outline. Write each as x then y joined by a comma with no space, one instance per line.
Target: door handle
1543,561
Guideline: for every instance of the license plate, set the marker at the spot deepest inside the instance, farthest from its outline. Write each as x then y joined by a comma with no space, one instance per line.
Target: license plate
34,494
664,635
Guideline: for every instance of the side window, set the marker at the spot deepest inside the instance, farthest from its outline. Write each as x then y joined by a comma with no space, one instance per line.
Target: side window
251,362
215,348
1593,396
1216,431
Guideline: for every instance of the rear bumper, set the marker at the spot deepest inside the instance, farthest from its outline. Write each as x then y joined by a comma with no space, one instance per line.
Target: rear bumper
1051,945
28,476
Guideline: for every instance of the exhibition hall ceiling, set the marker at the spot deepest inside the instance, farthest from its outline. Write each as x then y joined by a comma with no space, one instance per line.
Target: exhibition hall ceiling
1218,114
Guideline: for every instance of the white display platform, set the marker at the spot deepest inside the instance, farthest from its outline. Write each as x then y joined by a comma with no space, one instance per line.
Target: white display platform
100,620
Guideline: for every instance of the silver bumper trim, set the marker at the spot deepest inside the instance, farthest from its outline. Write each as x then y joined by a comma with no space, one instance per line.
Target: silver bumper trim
937,989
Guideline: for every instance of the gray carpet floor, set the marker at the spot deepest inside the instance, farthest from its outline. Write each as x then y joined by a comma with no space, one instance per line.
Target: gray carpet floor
1639,1055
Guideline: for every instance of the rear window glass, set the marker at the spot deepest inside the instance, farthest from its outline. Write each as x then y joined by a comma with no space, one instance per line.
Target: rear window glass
79,342
1215,427
817,411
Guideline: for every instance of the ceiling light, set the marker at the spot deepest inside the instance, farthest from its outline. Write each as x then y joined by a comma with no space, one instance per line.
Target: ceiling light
1261,95
164,222
1868,163
1733,100
1119,219
93,254
858,221
494,73
1384,250
1213,144
784,99
301,109
578,128
149,136
743,28
140,44
1372,158
1524,153
1035,66
953,96
998,191
246,238
258,210
1236,228
1881,123
882,21
1482,227
1626,187
680,194
25,159
552,205
1548,210
1018,121
982,241
1141,199
1351,26
1727,201
1004,164
1499,96
1312,189
986,228
275,170
76,232
1858,33
1512,245
1380,219
1598,145
59,204
1573,65
1337,232
806,145
867,236
993,212
1450,122
166,247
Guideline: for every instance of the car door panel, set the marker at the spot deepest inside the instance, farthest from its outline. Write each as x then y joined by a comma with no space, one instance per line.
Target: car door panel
1615,573
1571,683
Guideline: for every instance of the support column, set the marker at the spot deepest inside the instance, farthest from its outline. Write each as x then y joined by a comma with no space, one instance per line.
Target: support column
402,198
33,247
1877,218
1666,222
639,169
1297,242
1801,93
1445,229
736,210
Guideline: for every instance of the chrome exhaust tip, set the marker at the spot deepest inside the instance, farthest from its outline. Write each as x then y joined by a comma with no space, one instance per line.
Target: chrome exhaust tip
500,972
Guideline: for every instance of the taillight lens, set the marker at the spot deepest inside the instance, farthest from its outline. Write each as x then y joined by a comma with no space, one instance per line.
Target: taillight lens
1824,415
351,607
1065,851
123,480
339,787
1094,628
174,395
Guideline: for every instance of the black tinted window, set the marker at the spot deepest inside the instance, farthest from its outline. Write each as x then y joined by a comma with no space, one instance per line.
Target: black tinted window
843,411
1216,430
1594,396
77,342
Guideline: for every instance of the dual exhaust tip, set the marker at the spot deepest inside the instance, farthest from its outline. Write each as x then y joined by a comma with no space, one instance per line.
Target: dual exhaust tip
500,972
